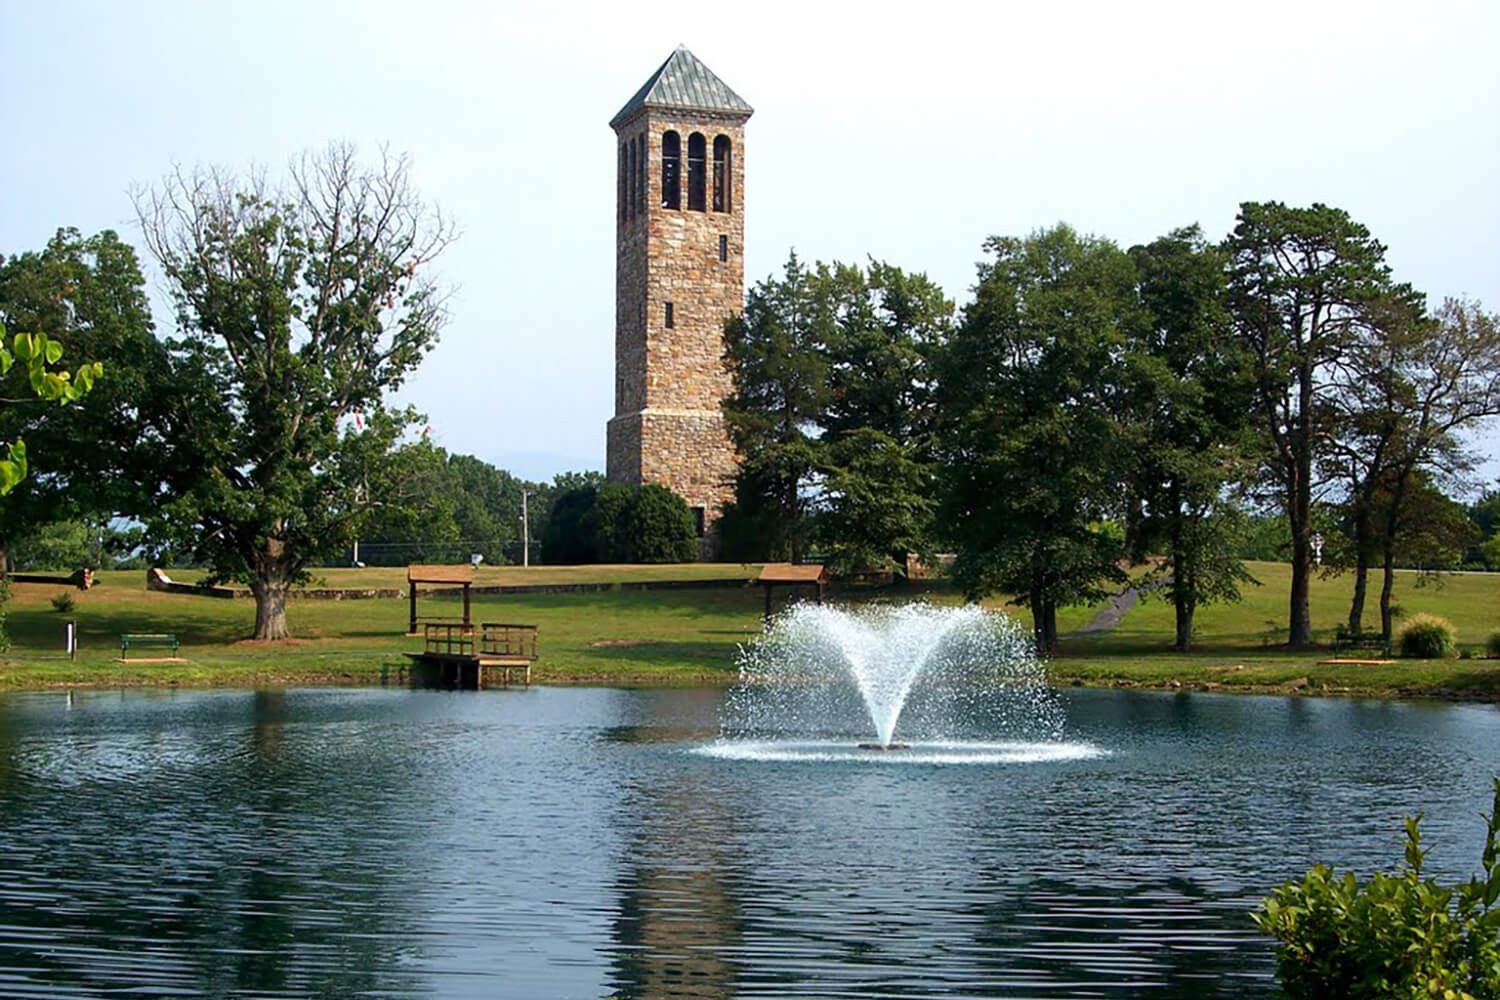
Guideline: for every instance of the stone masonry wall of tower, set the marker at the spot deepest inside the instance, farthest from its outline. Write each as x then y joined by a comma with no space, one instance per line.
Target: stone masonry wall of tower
670,380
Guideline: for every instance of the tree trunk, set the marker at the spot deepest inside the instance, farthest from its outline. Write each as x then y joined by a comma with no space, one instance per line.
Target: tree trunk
1299,518
1387,585
1362,540
1361,584
1388,552
1299,514
1183,586
1038,621
1043,622
274,573
270,608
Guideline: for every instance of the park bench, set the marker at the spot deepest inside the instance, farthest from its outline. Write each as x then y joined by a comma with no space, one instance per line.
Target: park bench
136,640
1345,640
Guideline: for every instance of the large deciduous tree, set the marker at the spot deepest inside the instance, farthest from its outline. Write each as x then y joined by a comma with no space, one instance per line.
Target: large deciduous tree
1190,413
1303,284
298,304
1031,446
1414,384
831,412
95,459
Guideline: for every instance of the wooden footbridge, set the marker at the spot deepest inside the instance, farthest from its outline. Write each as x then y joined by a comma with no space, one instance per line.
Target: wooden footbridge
474,656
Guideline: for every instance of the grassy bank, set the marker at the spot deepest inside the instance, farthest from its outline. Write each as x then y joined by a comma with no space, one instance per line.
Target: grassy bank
691,636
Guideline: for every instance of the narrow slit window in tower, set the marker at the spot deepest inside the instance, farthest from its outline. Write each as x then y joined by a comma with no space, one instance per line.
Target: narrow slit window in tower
623,167
700,520
640,176
721,173
630,181
671,170
697,150
669,318
723,247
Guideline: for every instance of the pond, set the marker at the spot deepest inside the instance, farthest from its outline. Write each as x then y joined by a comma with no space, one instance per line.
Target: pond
577,842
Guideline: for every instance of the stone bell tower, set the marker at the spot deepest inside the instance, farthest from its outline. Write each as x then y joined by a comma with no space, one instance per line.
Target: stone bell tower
679,274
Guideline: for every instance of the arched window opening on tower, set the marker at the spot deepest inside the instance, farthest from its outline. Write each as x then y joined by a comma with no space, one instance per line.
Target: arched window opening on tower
671,170
669,320
697,171
640,175
622,201
721,173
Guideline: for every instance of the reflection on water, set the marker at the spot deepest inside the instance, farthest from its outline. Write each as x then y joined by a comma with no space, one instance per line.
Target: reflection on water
589,843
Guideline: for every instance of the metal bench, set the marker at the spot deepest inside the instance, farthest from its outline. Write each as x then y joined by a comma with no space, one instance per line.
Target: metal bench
1344,640
129,640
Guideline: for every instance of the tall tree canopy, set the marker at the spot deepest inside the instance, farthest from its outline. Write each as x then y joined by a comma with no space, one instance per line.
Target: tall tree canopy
1190,410
1304,284
1414,382
298,304
94,459
832,413
1031,445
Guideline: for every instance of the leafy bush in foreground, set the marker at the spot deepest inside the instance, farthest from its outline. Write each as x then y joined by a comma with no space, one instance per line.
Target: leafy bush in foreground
1427,637
1493,646
1396,936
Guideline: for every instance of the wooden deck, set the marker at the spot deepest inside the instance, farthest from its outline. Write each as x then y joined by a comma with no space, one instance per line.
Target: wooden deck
473,656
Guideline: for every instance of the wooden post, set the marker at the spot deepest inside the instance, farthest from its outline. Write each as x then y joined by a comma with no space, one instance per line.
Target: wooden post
768,604
411,590
820,594
466,604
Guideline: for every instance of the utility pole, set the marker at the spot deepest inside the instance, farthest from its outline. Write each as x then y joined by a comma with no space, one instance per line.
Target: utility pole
525,530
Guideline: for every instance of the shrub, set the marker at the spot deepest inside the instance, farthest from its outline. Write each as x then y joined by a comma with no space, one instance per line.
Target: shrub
1396,936
62,602
617,523
572,533
658,528
1492,647
1427,637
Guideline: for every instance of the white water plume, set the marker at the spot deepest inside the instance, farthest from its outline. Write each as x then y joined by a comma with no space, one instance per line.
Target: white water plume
889,672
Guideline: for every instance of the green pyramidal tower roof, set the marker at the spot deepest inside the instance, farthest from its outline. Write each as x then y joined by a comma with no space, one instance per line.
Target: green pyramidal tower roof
684,83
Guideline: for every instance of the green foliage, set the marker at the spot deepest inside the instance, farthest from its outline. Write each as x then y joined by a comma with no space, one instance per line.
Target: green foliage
831,410
571,537
1427,637
437,507
1189,414
655,526
1484,515
1302,286
1396,937
774,352
4,598
94,458
615,523
300,307
881,502
1030,442
62,602
1492,646
35,354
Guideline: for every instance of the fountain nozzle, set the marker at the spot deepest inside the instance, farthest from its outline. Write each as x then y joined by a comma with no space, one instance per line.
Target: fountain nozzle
885,746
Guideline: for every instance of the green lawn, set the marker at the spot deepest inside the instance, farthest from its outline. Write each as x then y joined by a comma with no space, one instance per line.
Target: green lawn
690,636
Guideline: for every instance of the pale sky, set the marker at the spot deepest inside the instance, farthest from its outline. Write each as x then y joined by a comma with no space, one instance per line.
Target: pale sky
909,132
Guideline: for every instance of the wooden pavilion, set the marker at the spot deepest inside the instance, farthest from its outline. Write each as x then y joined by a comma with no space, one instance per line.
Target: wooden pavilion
446,577
774,575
